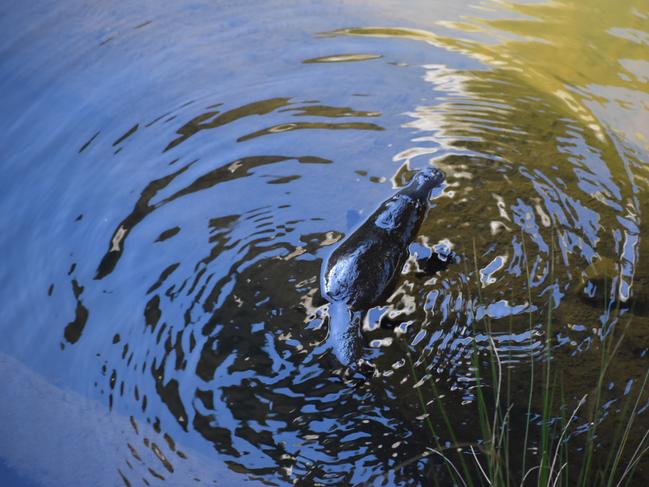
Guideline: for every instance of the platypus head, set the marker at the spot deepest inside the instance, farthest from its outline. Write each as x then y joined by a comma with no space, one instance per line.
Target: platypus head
424,181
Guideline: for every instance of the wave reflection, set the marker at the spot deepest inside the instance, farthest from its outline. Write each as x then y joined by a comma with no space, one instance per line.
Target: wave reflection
179,175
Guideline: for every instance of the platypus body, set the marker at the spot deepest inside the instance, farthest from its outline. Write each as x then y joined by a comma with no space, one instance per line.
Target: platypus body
361,272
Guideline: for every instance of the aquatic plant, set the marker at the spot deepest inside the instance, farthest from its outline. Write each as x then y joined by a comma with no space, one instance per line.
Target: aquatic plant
561,442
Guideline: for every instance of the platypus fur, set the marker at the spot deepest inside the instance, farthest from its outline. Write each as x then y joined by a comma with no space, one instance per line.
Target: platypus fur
361,272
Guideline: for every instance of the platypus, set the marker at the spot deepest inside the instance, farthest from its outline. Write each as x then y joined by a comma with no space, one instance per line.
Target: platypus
361,272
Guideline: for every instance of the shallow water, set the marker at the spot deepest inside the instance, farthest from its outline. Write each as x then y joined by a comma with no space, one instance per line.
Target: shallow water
174,175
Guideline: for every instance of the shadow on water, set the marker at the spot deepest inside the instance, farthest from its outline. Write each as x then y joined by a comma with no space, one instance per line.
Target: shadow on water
165,262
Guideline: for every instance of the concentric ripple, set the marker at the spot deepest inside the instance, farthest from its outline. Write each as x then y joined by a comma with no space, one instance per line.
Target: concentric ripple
177,176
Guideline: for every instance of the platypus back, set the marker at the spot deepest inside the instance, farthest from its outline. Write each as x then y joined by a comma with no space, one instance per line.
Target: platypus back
362,270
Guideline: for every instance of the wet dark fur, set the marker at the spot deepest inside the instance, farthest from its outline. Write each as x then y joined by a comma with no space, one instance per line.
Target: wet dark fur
362,271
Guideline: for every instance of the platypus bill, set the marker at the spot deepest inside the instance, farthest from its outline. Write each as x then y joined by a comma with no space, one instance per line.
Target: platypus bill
362,270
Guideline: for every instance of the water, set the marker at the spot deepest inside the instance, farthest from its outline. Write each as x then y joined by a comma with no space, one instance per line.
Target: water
174,175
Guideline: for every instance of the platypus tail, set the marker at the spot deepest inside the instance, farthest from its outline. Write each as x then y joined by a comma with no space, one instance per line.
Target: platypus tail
345,333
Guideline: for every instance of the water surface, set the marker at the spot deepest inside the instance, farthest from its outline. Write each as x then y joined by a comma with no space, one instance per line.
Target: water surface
175,174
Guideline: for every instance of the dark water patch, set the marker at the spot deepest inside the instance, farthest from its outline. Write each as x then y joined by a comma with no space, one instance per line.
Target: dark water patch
106,41
157,119
140,211
74,328
167,234
284,179
235,169
203,122
143,24
329,111
342,58
125,479
89,141
127,134
288,127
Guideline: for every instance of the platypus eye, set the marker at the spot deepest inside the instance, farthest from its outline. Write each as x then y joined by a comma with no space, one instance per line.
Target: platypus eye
433,173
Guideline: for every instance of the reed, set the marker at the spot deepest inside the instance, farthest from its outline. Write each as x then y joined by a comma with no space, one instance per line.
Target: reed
496,459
